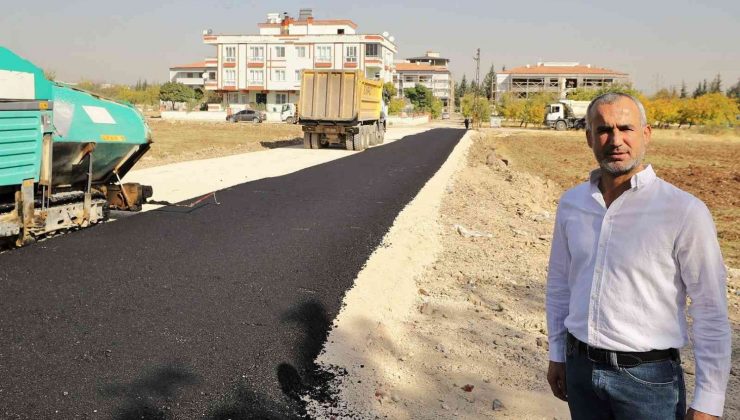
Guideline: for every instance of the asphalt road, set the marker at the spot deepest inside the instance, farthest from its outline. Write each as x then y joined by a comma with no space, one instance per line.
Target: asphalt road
214,312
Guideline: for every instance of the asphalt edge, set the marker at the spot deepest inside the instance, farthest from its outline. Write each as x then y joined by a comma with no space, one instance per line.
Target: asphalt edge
385,290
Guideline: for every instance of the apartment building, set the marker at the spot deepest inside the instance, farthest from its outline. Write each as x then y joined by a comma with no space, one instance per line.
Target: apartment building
429,70
196,75
555,77
265,68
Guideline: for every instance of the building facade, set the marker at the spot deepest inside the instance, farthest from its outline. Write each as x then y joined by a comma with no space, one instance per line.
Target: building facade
555,77
196,75
265,69
431,71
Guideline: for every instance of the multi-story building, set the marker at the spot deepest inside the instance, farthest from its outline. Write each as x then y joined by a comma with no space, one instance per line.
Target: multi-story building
266,68
196,75
429,70
555,77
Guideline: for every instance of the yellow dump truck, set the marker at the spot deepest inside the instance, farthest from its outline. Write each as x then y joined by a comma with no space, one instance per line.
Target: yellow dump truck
340,107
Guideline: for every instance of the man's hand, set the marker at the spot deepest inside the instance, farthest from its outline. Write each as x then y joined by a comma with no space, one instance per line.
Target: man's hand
556,378
693,414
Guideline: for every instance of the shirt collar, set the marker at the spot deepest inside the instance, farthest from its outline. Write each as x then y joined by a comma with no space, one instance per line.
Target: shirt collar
640,179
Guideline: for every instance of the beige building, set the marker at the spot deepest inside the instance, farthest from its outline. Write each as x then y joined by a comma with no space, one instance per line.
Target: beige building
555,77
196,75
429,70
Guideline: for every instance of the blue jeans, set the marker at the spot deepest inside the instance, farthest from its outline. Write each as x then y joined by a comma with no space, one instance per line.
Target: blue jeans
653,390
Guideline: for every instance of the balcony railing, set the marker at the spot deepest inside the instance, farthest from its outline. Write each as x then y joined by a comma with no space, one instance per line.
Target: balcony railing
189,80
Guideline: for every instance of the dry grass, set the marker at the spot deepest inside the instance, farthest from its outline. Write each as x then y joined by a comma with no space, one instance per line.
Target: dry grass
704,165
176,141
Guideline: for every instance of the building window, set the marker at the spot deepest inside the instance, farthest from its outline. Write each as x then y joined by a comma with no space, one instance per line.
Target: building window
372,50
256,53
281,98
229,77
300,52
230,54
255,76
212,75
340,31
351,54
298,75
323,53
279,76
280,52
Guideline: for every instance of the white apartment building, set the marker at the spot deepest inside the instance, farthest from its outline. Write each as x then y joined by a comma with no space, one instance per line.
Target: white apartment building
196,75
429,70
266,68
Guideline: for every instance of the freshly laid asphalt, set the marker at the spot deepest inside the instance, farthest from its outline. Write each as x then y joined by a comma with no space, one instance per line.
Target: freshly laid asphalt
214,312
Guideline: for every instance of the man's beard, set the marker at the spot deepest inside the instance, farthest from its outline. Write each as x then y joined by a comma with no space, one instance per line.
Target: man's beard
616,168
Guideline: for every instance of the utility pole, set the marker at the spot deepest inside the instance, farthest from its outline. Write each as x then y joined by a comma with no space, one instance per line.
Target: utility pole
477,84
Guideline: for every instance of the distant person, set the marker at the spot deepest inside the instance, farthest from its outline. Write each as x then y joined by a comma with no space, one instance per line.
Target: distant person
467,123
627,249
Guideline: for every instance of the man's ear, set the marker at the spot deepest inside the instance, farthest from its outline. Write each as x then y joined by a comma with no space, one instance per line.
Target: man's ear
647,134
588,139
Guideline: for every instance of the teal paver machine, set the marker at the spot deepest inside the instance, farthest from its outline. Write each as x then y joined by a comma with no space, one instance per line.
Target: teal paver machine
63,153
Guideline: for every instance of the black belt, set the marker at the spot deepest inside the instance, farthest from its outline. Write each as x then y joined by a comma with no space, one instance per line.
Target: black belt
623,358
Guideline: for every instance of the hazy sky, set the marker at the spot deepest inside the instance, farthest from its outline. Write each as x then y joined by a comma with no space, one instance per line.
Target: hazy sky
657,43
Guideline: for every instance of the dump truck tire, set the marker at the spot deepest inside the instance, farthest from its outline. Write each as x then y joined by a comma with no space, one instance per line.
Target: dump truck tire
381,134
306,140
561,126
316,141
374,135
350,141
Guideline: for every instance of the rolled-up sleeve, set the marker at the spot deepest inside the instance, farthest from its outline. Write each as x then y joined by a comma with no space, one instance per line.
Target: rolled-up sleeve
558,294
704,275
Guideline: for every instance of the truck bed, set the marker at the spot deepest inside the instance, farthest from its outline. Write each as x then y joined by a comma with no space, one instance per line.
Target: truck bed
339,97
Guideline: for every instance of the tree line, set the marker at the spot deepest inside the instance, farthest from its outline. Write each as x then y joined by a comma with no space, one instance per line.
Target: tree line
707,105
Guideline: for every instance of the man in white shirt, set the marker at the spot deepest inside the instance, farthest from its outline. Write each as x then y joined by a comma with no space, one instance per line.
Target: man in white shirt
628,248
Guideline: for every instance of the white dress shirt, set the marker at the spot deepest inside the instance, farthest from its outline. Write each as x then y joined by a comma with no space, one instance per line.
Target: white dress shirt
618,277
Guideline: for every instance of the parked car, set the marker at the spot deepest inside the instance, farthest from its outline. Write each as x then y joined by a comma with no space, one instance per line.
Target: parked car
247,115
445,115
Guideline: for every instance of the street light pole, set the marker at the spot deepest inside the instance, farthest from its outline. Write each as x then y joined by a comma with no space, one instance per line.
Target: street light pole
477,85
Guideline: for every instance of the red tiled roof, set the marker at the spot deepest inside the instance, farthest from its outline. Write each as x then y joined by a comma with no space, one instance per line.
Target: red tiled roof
560,70
420,67
196,65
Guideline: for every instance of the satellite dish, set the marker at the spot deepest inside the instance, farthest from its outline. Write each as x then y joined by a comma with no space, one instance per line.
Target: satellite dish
385,34
392,39
207,31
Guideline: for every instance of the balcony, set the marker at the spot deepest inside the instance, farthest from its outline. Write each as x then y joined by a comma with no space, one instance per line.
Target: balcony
190,81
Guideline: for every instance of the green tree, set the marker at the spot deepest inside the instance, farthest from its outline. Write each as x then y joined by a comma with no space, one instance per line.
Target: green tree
175,92
701,89
389,91
534,108
716,85
583,94
420,96
489,83
435,108
463,88
478,111
684,93
734,92
510,107
396,106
